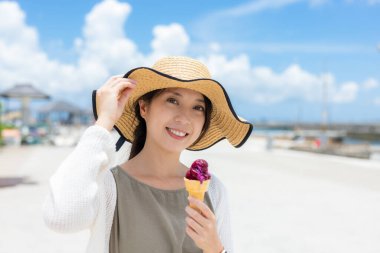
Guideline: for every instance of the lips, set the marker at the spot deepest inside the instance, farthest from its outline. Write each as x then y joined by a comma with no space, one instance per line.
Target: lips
177,134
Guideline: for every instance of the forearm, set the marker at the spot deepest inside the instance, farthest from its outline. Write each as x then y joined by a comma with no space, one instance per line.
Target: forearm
72,202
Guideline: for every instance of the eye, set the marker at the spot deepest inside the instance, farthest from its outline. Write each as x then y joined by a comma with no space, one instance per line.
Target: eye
172,100
199,108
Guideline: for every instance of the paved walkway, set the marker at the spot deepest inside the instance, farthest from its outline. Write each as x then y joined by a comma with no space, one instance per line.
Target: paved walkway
281,201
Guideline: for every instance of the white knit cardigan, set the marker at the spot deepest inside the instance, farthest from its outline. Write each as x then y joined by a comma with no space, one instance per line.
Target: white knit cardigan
82,193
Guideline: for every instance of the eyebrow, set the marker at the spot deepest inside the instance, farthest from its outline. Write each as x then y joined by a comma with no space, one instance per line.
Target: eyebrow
179,95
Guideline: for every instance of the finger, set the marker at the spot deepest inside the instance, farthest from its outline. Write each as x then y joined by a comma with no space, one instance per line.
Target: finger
112,79
203,207
194,225
124,97
117,81
193,235
124,85
131,80
196,216
124,80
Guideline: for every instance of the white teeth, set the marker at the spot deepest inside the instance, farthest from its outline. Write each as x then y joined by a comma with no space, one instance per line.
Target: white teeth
178,133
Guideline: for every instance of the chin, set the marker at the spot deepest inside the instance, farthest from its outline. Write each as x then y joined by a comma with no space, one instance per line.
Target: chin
175,147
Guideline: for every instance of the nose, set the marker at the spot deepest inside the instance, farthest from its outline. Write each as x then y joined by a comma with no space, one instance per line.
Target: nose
182,118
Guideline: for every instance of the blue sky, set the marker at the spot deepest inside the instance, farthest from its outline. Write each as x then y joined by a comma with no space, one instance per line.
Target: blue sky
272,56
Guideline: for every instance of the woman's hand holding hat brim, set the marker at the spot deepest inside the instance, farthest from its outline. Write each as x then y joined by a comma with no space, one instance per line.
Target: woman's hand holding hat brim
111,99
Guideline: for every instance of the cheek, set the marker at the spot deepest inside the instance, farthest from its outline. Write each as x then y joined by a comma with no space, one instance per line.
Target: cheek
200,121
159,117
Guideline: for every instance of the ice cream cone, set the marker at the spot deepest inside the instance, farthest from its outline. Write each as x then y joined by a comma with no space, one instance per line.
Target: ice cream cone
196,189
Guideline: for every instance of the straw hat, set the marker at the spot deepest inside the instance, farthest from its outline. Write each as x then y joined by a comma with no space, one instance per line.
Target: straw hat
184,72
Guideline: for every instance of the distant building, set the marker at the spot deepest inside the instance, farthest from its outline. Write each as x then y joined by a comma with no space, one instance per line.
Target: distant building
64,113
25,93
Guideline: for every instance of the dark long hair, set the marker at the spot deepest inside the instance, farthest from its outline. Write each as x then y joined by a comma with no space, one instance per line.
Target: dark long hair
140,131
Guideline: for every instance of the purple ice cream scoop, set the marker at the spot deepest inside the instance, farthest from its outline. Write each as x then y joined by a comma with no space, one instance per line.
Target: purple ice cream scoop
198,171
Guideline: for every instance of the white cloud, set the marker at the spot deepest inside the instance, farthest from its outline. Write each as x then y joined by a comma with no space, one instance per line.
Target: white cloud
214,47
315,3
164,42
346,93
285,47
370,84
373,2
256,6
106,21
263,85
376,101
13,29
104,49
20,56
369,2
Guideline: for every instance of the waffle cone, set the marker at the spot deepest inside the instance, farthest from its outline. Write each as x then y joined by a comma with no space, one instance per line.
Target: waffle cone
196,189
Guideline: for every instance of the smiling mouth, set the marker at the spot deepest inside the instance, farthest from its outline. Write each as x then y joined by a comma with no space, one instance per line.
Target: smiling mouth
176,133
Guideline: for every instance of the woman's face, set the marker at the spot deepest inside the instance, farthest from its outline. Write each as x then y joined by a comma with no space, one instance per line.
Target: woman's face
174,118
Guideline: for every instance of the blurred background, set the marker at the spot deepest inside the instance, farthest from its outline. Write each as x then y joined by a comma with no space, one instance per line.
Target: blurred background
304,72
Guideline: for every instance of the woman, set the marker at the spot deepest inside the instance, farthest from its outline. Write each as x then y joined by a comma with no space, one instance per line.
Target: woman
142,205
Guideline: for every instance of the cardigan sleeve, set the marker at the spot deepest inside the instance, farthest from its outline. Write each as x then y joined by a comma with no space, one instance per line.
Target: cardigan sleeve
222,213
73,199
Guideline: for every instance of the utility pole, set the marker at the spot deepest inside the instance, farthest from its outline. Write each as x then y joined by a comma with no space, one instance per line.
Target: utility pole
1,123
325,110
325,114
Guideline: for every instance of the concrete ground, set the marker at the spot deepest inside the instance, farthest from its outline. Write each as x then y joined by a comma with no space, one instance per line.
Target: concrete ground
281,201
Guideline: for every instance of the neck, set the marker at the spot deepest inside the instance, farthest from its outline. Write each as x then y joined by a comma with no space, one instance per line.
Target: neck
159,163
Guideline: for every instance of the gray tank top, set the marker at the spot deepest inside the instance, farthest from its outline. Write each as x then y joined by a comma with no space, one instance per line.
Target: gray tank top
148,219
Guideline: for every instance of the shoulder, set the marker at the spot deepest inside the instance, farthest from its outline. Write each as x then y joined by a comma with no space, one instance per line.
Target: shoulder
217,190
110,190
216,183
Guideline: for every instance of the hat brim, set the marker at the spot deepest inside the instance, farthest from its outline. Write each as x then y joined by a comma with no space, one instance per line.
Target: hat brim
224,123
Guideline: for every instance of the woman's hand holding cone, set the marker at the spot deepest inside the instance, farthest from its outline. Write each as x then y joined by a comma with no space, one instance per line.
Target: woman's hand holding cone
201,227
